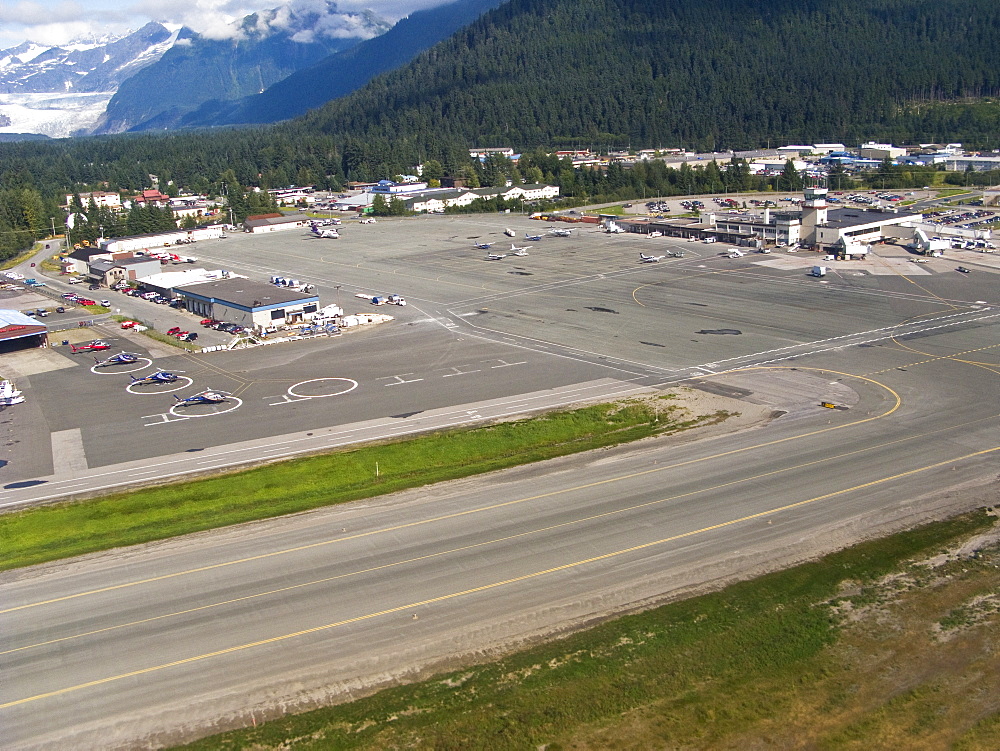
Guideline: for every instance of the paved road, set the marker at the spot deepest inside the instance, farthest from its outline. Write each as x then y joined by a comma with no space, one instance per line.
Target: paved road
152,645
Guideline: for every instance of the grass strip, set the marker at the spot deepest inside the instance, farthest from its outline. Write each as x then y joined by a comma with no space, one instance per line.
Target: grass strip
752,666
64,530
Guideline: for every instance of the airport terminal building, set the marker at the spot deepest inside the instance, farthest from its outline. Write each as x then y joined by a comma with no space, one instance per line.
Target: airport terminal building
816,226
252,304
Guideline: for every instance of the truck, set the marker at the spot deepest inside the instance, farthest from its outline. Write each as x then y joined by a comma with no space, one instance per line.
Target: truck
819,271
395,300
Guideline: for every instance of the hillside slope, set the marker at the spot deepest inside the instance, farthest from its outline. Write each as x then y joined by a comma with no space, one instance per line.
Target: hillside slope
343,72
701,73
265,48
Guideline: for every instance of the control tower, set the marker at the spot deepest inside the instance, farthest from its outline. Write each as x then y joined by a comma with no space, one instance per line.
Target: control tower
814,210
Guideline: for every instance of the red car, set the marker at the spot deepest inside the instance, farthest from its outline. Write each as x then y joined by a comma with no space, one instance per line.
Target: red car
86,302
174,330
180,334
207,321
129,324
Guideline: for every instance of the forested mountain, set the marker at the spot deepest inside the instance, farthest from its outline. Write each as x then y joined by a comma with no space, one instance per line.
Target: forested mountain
263,48
700,73
343,72
601,73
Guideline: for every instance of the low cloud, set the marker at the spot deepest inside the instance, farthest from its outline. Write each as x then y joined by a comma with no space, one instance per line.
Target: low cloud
215,19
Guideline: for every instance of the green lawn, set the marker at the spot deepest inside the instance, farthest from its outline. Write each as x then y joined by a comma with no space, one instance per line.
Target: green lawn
69,529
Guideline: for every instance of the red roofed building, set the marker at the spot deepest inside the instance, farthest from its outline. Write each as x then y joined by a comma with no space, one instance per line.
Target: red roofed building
152,198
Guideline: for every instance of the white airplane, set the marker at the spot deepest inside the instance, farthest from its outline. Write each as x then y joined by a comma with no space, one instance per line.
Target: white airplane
533,238
495,256
519,251
560,232
328,234
9,395
643,258
484,246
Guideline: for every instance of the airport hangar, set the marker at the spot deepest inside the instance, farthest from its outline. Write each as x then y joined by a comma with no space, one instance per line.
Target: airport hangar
18,331
248,303
816,226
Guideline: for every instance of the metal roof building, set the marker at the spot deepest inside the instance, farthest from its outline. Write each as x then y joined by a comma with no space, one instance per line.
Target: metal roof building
249,303
15,325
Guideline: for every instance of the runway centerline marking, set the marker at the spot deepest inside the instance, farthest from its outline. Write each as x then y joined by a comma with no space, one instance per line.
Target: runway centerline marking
507,538
484,587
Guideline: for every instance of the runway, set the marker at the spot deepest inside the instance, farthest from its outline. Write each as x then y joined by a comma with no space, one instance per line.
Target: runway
163,643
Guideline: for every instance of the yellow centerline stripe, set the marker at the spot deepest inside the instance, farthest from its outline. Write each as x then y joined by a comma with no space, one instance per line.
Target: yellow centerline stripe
594,517
492,507
485,587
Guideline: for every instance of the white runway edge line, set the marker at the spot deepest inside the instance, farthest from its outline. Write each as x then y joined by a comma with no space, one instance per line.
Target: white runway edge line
234,455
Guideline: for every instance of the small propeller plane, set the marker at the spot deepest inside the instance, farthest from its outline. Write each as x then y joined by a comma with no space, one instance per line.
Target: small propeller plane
95,346
560,232
122,358
328,234
519,251
643,258
484,246
160,376
205,397
495,256
533,238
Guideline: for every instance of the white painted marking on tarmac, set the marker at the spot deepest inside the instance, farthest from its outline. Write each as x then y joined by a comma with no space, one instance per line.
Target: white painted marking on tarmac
458,372
399,379
164,418
351,381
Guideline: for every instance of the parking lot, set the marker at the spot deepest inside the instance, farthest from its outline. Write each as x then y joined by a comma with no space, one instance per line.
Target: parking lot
573,310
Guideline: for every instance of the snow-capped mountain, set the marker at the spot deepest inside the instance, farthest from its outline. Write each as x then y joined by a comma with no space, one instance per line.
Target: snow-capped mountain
260,50
60,91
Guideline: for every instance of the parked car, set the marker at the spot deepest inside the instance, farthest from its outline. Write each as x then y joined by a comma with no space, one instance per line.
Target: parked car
41,312
174,330
94,286
84,301
129,324
189,337
106,303
60,309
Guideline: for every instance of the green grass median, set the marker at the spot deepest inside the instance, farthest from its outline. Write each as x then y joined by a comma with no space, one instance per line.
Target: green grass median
73,528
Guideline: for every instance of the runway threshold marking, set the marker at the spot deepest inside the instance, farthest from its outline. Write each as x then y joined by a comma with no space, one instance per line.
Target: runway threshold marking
467,512
485,587
508,538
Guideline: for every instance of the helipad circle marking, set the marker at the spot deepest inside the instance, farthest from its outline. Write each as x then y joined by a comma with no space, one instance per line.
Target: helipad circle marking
239,403
291,389
190,382
146,362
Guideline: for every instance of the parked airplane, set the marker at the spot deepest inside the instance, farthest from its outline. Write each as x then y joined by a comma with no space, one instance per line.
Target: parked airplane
560,232
122,358
495,256
9,395
643,258
533,238
483,246
519,251
329,234
205,397
160,376
94,346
